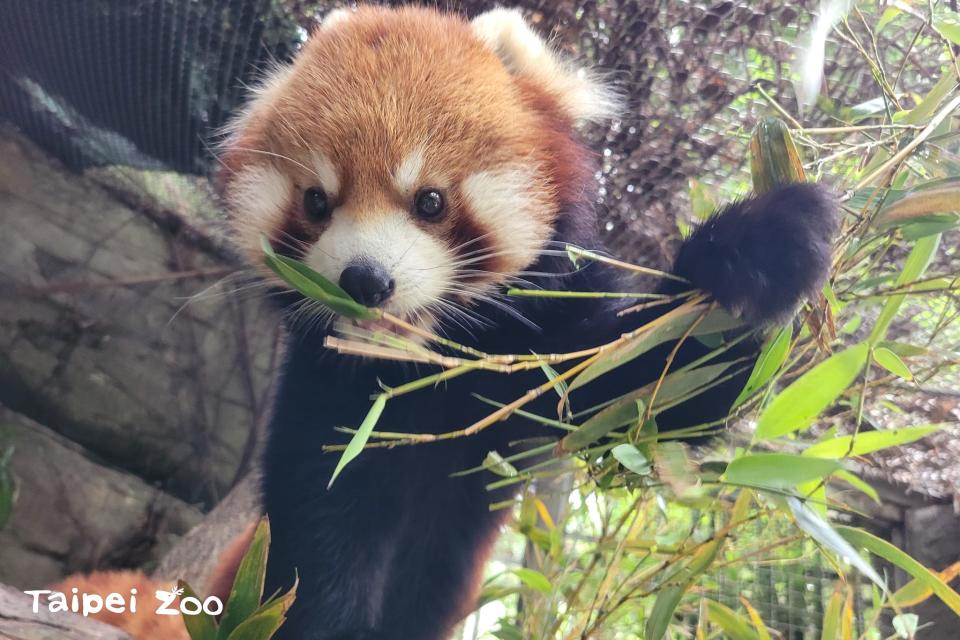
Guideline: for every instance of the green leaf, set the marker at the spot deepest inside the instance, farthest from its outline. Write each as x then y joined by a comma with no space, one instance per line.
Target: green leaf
679,384
631,458
903,349
821,531
259,627
359,440
889,15
892,363
858,483
201,626
533,579
927,107
905,624
867,108
933,197
313,285
831,617
777,470
496,464
613,417
797,406
869,441
560,386
774,159
915,592
247,587
716,321
769,361
662,612
263,623
888,552
734,625
916,263
948,24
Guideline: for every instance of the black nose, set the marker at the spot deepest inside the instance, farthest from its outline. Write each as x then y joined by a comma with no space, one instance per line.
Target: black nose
368,284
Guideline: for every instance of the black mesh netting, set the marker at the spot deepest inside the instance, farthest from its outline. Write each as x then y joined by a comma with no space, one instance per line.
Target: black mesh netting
146,83
140,87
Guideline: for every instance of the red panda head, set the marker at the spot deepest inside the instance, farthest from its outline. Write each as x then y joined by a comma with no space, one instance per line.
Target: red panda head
419,159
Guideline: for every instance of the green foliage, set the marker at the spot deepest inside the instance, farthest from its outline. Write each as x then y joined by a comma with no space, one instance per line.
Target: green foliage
246,616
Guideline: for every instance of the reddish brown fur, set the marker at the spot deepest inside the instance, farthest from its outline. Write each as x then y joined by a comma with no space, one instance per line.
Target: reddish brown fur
446,91
145,624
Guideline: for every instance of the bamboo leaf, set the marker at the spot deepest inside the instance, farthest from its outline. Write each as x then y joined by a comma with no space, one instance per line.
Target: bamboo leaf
948,24
359,440
869,441
858,483
247,589
758,624
734,625
533,579
777,470
680,384
831,616
905,624
915,591
265,622
836,541
662,612
799,404
716,321
774,159
942,196
890,553
771,358
631,458
892,363
313,285
201,626
916,263
613,417
495,463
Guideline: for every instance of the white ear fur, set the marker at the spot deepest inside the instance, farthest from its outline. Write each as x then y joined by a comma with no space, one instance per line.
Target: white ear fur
523,52
335,17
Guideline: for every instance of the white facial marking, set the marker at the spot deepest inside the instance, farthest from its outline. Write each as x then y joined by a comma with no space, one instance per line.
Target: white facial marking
407,174
507,203
326,173
258,196
419,264
522,51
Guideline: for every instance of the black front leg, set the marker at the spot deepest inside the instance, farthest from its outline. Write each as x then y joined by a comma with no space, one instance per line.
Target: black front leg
762,256
759,257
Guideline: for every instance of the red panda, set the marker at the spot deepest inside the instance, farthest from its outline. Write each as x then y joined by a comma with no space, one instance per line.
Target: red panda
425,162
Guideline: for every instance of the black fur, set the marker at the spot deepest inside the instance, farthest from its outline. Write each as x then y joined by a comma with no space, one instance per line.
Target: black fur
389,552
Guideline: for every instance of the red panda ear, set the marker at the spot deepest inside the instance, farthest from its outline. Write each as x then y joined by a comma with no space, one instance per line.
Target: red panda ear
580,93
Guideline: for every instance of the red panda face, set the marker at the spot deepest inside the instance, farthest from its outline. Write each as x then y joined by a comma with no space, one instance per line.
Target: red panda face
417,159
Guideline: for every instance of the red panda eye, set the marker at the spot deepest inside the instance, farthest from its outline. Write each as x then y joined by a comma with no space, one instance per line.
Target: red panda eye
316,206
429,203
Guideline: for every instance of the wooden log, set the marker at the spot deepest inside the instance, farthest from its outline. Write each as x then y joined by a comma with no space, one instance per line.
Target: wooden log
97,341
72,514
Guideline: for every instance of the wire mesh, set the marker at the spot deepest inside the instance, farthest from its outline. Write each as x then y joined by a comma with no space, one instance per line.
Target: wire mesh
145,85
